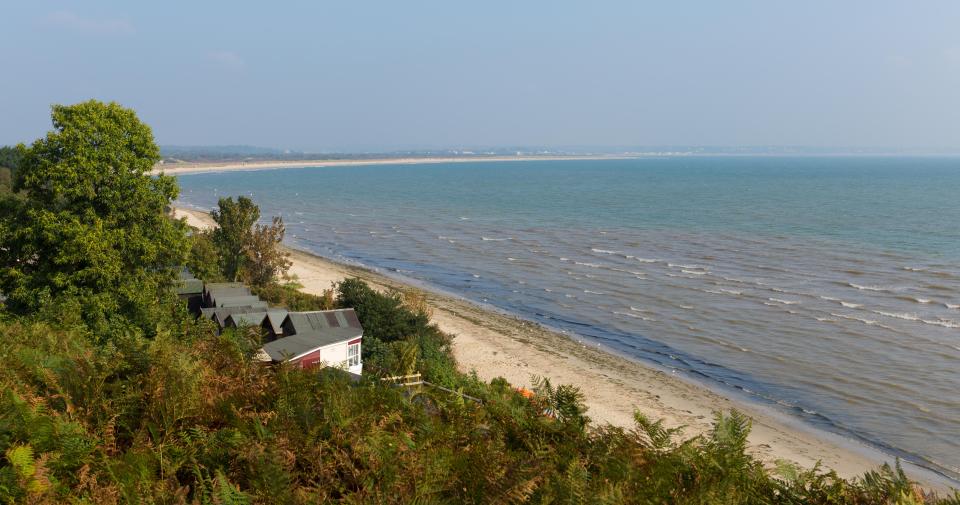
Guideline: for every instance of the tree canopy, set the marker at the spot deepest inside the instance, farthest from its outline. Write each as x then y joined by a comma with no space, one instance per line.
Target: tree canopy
235,220
91,226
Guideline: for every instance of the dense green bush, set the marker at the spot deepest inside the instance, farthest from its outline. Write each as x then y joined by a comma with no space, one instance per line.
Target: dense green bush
188,417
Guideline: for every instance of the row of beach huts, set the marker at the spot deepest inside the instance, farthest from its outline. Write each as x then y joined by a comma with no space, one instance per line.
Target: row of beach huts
305,339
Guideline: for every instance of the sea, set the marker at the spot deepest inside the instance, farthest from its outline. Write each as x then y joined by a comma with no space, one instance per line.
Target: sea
825,287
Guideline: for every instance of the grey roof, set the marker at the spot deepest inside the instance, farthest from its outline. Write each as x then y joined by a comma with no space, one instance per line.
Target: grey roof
245,319
214,290
221,313
189,286
321,320
214,286
275,318
185,273
294,345
237,301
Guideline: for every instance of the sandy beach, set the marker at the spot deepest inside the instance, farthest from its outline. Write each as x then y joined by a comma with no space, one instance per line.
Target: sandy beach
194,168
496,344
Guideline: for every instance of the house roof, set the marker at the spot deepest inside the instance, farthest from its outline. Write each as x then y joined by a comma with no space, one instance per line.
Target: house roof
221,313
189,286
236,301
245,319
294,345
214,290
275,319
321,320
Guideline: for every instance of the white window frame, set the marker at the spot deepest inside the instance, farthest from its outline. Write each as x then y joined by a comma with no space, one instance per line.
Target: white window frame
353,354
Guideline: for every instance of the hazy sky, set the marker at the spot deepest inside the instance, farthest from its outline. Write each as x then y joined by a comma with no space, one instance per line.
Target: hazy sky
354,75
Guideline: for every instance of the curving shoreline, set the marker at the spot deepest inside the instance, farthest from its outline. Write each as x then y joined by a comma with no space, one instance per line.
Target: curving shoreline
497,344
203,167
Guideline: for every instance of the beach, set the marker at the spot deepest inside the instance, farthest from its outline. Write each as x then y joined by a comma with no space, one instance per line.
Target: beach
204,167
496,344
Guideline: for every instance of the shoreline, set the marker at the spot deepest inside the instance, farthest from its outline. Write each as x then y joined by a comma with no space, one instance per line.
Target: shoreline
495,343
207,167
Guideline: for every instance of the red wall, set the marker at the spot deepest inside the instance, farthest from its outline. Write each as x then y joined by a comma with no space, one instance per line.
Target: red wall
309,360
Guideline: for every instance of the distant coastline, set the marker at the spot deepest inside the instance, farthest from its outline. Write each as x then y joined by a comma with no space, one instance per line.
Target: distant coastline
202,167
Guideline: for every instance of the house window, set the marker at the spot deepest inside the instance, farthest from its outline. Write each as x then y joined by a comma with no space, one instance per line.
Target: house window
353,354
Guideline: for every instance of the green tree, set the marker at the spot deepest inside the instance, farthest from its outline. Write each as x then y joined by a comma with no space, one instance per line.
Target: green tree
9,161
235,220
265,259
203,261
91,223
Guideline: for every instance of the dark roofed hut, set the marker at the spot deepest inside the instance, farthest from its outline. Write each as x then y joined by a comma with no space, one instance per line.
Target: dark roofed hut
190,289
331,337
214,290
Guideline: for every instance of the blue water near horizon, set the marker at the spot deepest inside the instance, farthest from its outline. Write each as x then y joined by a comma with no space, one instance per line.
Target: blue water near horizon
828,287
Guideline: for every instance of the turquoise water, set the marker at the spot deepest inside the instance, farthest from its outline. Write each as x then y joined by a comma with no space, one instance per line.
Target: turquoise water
828,287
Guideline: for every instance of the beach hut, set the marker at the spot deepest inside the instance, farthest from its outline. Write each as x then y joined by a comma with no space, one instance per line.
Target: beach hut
219,315
214,290
319,338
273,324
238,320
190,290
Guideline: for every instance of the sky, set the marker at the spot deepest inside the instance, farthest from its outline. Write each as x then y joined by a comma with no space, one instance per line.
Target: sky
362,75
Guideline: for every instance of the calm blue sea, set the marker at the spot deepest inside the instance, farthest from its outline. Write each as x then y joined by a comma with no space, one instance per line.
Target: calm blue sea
828,287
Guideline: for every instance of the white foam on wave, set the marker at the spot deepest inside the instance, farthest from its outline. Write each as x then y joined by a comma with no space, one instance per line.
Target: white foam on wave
604,251
643,260
869,322
946,323
635,316
829,298
511,259
490,239
785,302
898,315
593,292
731,291
952,305
591,265
866,288
679,265
850,305
693,272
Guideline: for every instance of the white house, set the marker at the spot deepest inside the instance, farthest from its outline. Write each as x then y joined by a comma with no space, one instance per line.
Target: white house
320,338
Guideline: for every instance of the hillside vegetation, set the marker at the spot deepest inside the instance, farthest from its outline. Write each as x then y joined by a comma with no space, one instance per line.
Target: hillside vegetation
111,392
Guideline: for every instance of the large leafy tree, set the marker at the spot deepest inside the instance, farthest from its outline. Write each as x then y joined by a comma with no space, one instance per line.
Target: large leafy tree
265,259
91,225
235,220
